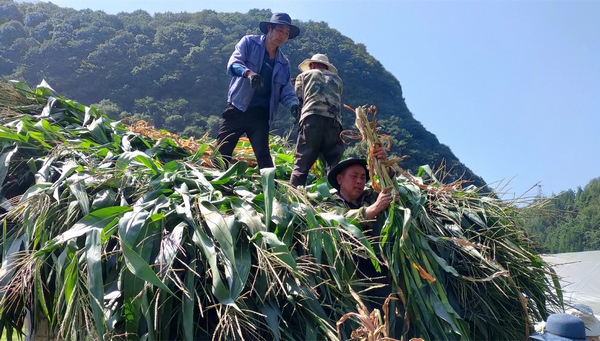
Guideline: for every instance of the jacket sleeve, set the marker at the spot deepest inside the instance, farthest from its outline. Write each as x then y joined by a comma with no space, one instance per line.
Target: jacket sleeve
288,94
238,58
360,214
338,207
238,69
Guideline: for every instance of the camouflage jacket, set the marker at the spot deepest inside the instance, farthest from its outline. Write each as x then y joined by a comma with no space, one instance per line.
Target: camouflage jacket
320,93
357,213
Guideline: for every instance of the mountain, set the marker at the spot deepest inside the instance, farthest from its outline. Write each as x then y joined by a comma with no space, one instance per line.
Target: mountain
169,69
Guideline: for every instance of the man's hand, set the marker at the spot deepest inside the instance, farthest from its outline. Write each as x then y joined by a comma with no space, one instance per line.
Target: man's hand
255,80
379,153
384,199
295,112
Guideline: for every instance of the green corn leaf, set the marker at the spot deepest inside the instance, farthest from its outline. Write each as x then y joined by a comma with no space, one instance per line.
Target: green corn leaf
98,219
77,187
104,198
207,247
279,248
236,261
70,279
247,214
140,268
188,306
94,280
219,289
9,260
272,313
268,181
238,167
150,331
5,162
127,158
131,224
242,267
170,246
96,127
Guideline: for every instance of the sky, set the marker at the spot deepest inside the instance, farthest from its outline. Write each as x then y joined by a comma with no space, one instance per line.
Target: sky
511,87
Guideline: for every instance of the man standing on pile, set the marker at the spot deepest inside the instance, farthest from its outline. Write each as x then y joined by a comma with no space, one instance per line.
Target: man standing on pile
260,81
319,90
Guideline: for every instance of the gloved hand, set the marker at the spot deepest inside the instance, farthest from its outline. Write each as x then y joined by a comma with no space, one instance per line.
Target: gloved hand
255,80
295,111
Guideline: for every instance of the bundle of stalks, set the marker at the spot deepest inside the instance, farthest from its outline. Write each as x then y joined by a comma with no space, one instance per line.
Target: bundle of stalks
458,262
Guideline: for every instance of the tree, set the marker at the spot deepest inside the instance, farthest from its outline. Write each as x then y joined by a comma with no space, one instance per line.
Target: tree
11,31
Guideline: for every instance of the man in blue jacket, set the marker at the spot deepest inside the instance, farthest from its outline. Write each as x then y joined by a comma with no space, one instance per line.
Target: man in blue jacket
260,81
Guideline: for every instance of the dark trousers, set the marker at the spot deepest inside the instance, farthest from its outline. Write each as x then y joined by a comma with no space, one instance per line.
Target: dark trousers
254,123
374,297
318,135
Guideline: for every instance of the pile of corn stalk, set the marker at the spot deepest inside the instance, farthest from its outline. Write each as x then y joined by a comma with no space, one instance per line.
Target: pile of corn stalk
459,265
126,232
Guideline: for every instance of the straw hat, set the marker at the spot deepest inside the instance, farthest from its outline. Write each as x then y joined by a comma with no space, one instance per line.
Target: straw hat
584,312
317,58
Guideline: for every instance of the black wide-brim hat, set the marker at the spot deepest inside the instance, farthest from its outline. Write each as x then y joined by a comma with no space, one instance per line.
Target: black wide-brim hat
333,173
280,19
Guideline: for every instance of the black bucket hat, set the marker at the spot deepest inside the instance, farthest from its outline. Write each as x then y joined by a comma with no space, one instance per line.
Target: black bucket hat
280,19
333,173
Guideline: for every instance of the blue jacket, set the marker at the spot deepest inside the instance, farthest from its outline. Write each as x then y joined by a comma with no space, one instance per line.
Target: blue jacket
249,52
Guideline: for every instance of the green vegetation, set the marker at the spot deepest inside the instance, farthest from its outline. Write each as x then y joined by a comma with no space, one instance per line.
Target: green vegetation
567,222
110,234
169,69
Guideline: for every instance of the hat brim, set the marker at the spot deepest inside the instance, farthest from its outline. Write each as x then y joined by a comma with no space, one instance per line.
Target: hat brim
592,324
552,337
333,173
593,329
294,30
304,66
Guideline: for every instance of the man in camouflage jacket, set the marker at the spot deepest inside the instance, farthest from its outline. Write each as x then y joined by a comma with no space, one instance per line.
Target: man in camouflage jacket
319,90
366,207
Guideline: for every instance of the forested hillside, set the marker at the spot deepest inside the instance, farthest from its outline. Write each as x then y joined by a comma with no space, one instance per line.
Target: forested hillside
571,221
169,69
